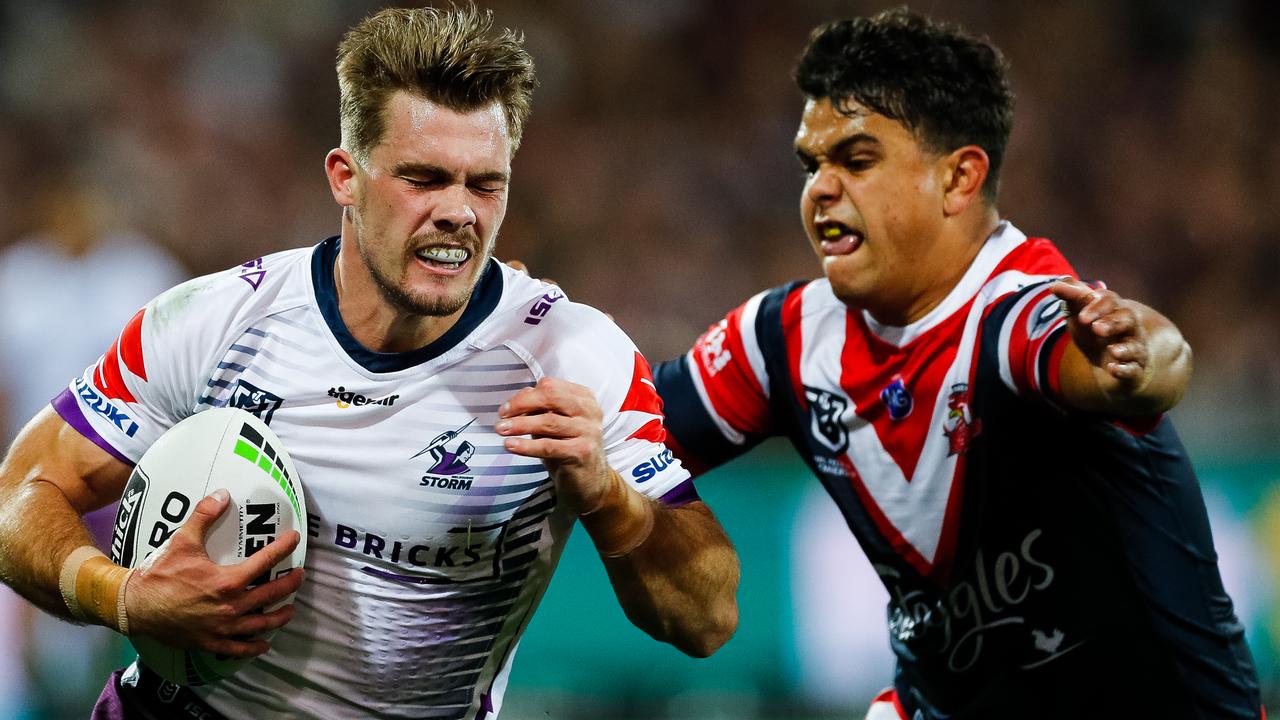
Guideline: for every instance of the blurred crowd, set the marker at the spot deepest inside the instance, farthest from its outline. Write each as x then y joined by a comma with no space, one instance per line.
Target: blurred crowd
656,179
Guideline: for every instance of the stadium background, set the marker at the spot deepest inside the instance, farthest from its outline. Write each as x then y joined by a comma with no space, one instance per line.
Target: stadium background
656,181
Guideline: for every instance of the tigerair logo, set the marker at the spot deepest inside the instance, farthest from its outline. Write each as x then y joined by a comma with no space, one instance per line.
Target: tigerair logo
449,469
347,398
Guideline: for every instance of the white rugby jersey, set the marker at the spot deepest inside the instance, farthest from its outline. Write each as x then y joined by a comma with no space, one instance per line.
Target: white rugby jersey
429,544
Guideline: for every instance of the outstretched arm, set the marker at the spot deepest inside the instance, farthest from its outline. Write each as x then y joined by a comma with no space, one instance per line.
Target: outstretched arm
51,476
673,568
1125,359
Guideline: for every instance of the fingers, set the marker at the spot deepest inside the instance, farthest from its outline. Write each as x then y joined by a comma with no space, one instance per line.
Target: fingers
559,450
1102,311
270,593
236,648
268,557
1076,294
205,513
247,626
1107,328
1126,360
552,395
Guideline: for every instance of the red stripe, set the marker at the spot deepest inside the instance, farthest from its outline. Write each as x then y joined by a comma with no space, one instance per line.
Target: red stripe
1054,370
890,532
131,346
791,331
733,339
108,376
1017,352
643,397
726,374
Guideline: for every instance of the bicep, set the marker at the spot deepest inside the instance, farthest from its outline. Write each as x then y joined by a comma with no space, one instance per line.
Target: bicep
49,449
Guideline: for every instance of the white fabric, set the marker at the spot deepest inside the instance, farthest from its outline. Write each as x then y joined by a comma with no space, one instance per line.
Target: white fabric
419,583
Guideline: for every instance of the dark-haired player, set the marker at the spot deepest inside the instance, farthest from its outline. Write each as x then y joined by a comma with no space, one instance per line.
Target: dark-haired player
992,432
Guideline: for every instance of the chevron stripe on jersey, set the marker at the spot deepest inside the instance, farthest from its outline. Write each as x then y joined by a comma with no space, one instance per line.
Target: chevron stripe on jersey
430,544
834,365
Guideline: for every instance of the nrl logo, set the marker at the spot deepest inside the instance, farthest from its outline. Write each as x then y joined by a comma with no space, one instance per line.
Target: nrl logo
826,419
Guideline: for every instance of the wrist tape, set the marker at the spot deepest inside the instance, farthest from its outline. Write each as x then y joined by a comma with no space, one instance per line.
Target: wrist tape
93,588
621,521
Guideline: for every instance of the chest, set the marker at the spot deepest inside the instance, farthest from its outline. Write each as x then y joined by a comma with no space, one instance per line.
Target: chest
404,474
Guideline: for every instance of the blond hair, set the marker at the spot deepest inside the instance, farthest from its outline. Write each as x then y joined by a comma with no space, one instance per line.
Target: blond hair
445,56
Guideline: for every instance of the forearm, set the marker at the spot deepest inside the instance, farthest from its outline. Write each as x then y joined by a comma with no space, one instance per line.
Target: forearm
1161,385
40,519
31,551
679,583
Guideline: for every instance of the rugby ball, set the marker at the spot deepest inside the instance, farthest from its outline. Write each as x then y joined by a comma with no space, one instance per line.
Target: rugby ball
217,448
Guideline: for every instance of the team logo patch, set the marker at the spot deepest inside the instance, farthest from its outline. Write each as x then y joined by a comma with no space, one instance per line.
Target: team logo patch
252,273
1045,316
897,398
826,415
449,469
255,400
960,426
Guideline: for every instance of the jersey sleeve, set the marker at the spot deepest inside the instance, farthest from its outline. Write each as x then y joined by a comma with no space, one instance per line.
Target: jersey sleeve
717,394
151,375
1033,336
589,349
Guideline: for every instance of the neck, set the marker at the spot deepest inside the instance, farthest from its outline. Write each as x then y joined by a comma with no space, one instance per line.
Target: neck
371,317
958,244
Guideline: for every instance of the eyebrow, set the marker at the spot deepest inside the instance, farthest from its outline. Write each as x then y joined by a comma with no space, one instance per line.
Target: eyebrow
427,169
843,146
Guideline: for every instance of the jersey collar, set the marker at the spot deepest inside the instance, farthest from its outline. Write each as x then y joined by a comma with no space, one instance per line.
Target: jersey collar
484,298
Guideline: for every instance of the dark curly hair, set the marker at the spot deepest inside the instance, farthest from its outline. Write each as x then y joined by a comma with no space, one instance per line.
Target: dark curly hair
948,88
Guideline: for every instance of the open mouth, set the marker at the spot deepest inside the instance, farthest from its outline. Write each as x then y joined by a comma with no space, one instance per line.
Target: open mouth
445,257
836,238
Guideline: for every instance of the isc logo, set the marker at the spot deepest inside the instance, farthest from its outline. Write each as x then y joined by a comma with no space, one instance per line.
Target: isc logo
542,307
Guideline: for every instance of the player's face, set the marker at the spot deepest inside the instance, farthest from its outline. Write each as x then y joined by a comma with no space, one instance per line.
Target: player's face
429,201
872,207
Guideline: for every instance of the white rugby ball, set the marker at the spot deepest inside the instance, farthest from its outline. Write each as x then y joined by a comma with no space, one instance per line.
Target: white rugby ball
217,448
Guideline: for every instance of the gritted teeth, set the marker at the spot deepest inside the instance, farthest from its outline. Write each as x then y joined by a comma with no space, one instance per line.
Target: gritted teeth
444,254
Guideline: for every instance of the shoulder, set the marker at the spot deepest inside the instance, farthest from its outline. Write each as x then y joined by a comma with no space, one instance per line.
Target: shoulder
205,311
557,336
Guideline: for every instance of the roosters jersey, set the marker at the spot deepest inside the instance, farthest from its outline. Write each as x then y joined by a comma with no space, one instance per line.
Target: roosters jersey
1038,560
429,544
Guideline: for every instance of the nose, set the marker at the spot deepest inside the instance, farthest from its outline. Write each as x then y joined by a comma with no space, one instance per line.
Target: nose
453,210
823,187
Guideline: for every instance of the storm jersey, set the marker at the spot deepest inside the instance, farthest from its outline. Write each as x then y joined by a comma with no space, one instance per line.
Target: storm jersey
429,544
1040,562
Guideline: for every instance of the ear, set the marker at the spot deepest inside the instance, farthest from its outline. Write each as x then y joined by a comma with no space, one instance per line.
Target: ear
965,174
341,169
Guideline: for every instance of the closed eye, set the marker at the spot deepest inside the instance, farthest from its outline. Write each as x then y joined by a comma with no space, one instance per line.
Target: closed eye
422,183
